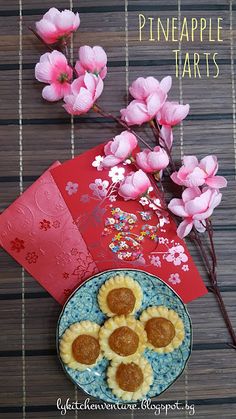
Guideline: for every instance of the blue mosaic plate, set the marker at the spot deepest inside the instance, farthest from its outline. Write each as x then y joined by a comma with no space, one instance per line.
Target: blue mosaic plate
83,305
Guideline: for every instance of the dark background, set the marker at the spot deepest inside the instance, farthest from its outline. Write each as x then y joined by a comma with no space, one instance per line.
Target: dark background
35,133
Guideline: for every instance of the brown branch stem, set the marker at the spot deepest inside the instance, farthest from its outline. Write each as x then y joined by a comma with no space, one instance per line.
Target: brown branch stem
213,278
209,230
123,124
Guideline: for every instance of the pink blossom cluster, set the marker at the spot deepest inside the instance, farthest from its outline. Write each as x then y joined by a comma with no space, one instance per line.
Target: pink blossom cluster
53,68
150,104
201,194
119,149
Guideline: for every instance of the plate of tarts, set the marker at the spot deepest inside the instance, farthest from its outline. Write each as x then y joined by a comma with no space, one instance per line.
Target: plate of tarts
123,336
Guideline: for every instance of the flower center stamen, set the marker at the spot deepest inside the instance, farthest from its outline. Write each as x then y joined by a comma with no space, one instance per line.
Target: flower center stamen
63,78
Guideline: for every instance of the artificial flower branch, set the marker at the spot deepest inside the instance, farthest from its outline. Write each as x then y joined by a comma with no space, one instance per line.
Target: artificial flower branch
197,181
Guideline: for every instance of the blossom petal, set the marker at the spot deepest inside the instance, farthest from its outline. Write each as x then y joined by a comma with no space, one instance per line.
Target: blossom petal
135,113
184,228
77,84
127,191
142,87
190,193
65,21
166,84
200,225
47,30
110,161
69,104
166,137
53,92
177,207
43,72
209,164
90,82
99,88
196,178
155,102
199,204
107,148
141,180
215,199
84,101
86,57
190,162
176,179
216,182
100,55
52,14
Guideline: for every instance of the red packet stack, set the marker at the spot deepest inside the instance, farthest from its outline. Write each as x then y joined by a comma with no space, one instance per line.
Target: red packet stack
71,223
122,234
39,232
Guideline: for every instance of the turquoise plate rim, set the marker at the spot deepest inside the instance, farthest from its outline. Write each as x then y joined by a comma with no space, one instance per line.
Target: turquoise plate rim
62,312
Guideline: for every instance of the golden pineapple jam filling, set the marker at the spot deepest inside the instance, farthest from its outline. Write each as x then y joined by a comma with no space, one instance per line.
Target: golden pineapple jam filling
85,349
160,331
121,301
129,377
124,341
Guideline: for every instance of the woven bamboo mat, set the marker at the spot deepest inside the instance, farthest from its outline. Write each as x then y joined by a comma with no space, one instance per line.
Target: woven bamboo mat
34,133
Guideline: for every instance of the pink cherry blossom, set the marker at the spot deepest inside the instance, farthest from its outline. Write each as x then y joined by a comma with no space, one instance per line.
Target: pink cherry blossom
99,188
174,279
71,188
155,260
150,95
138,112
176,255
93,60
134,185
194,207
84,92
172,113
54,70
142,87
119,149
56,25
193,173
152,161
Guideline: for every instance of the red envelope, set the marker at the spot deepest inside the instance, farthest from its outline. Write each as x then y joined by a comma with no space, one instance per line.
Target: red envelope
124,234
39,232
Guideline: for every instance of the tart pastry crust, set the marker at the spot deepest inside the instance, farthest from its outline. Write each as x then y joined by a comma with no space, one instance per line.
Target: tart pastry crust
87,328
129,303
132,343
162,312
143,388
